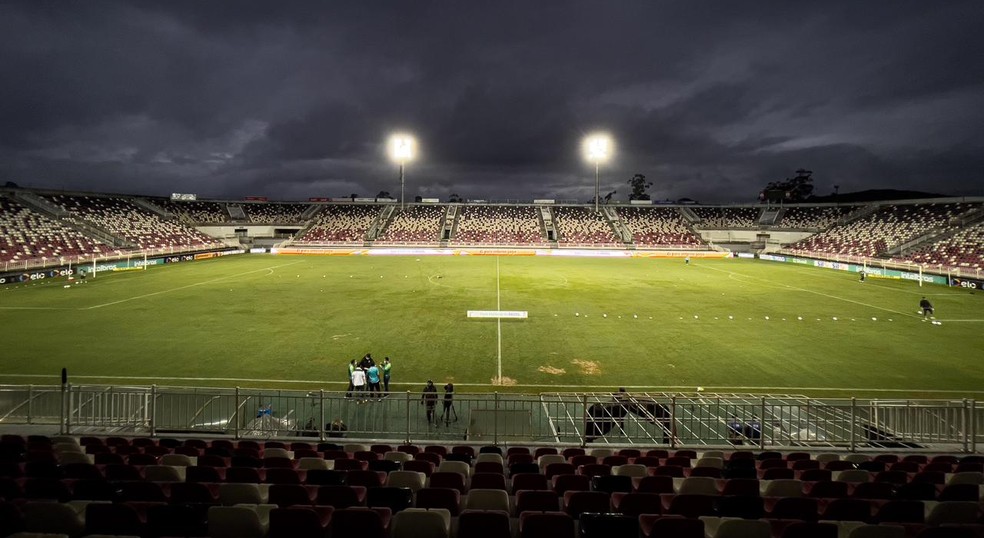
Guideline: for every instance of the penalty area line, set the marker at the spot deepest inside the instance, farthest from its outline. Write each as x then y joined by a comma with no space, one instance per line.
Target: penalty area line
202,283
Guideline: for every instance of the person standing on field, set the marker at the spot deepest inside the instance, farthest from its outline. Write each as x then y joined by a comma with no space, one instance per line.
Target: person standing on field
387,367
927,309
351,387
372,374
359,382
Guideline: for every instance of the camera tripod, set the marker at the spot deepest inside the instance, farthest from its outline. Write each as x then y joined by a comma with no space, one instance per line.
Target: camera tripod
446,414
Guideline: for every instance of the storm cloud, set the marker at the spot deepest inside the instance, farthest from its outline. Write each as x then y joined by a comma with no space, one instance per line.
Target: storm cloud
710,100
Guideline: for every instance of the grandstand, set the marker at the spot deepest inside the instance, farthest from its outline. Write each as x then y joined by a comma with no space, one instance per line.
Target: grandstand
207,461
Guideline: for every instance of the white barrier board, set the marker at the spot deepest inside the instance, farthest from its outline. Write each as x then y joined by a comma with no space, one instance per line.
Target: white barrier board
516,314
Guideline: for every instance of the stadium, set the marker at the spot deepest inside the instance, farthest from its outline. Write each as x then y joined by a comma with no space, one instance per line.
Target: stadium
598,294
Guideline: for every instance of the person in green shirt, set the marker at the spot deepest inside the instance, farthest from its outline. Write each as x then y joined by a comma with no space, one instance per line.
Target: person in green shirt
387,367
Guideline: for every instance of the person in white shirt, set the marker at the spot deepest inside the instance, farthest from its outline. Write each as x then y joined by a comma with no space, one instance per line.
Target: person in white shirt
359,382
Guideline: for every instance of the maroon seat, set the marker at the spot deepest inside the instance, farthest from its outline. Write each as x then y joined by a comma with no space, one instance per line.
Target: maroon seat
653,526
428,456
300,522
582,459
365,455
361,522
802,508
577,502
340,496
447,498
778,474
847,510
436,449
191,492
530,481
463,450
448,480
635,504
816,475
545,450
873,490
517,450
674,471
741,486
488,481
689,505
544,524
615,460
366,479
141,492
568,453
279,475
199,473
536,501
710,472
655,484
554,469
489,467
351,465
284,495
570,482
113,519
808,529
409,449
828,490
419,466
484,524
648,461
595,469
244,475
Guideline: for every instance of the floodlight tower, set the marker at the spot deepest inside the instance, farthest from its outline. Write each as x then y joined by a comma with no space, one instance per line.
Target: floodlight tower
597,149
402,148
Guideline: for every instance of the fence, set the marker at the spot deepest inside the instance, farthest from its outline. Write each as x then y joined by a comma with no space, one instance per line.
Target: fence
621,419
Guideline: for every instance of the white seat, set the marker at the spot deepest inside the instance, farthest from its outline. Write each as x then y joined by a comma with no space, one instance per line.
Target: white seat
236,522
487,499
826,458
232,493
66,458
309,463
712,454
406,479
601,452
736,528
494,458
785,487
716,463
632,469
52,518
421,523
355,447
163,473
547,459
967,477
177,460
953,512
700,485
852,475
455,467
397,456
276,452
877,531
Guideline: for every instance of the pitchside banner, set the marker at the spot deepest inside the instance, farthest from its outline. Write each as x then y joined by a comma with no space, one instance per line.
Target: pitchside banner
35,276
854,268
969,283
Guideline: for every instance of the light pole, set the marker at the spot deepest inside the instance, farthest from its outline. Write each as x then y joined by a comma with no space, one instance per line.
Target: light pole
402,148
597,148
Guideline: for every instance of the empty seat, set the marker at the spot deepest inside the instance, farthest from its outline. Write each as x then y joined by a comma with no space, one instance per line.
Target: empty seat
447,498
653,526
484,524
421,523
536,501
361,522
299,522
238,522
487,499
406,479
396,499
543,524
608,525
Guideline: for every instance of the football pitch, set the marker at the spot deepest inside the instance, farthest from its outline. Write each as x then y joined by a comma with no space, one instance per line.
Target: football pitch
726,325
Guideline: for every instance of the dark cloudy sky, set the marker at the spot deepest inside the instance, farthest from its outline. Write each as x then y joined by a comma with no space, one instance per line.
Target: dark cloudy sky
291,99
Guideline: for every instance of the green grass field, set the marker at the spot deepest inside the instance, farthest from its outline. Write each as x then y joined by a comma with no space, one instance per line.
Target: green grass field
294,322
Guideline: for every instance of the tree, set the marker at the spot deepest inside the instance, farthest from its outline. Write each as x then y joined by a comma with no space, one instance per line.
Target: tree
454,198
792,189
608,197
639,187
383,194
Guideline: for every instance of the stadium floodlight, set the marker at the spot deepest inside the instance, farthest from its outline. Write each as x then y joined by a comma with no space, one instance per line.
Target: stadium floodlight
402,148
597,149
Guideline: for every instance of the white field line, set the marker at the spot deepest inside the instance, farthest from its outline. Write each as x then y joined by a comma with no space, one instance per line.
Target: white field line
498,322
34,308
608,387
787,286
202,283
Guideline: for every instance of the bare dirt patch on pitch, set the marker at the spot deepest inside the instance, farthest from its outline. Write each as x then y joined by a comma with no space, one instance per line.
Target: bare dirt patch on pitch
551,370
587,367
504,381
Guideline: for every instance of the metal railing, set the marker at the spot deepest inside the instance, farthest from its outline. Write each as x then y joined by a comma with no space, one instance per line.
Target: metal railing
620,419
